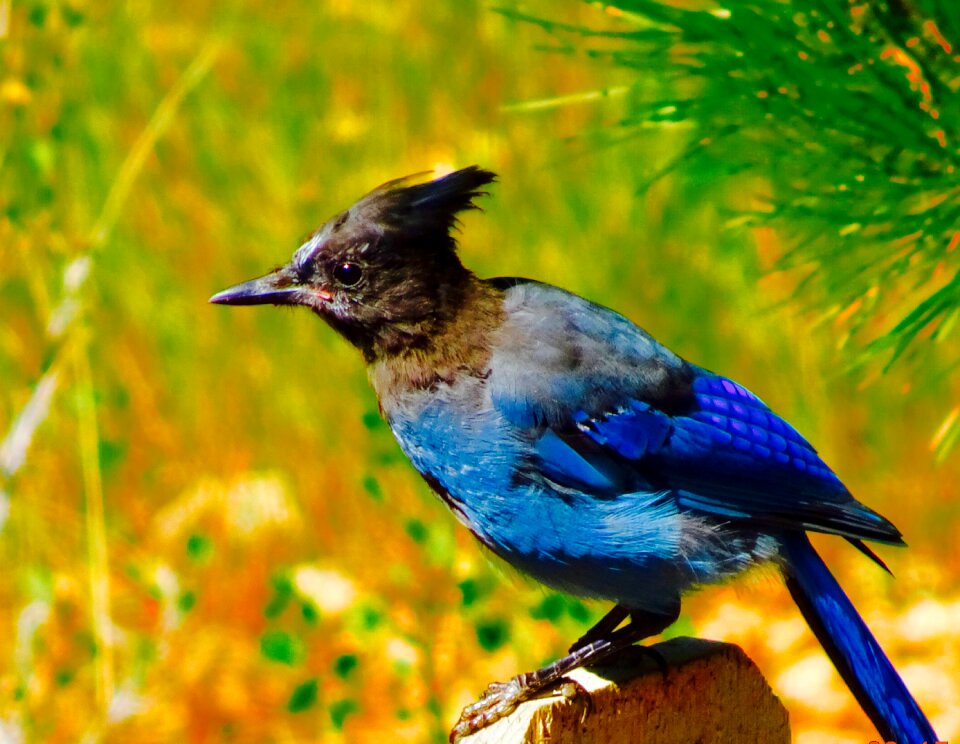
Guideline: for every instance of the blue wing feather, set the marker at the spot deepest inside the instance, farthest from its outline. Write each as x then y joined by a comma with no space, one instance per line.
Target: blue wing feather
729,456
607,409
562,463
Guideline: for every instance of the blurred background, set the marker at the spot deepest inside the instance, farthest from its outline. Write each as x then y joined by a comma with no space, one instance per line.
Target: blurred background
206,531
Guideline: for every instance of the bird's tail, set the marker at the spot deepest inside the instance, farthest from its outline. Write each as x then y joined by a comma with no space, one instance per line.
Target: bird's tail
851,647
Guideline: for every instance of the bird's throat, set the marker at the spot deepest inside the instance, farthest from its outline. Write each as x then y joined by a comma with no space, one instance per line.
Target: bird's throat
454,341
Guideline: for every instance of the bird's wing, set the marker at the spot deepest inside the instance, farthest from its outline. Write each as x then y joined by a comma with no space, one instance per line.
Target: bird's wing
728,456
607,409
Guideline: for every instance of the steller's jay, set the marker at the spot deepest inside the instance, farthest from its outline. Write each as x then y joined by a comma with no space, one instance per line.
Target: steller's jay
575,446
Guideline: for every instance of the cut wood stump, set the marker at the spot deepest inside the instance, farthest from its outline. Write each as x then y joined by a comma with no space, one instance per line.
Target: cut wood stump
709,693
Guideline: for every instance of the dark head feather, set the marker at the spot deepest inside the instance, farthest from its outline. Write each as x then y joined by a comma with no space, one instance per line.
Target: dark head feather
425,210
385,272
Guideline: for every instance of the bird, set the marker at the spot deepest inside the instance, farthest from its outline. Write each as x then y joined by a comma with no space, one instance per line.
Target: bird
575,446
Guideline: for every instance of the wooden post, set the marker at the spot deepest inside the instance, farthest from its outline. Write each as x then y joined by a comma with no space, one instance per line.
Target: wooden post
710,693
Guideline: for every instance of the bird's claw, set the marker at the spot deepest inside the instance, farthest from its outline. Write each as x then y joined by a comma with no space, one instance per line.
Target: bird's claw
576,694
499,701
502,698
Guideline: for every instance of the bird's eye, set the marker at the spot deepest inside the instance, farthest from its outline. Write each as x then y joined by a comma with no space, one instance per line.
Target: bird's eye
348,274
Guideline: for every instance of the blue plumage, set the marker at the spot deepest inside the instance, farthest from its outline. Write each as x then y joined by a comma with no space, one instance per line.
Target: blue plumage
575,446
851,646
577,474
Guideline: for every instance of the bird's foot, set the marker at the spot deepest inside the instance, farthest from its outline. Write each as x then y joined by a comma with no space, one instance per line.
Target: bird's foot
499,700
600,644
502,698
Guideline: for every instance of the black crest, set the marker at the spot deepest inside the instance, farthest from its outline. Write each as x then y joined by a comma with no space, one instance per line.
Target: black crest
425,209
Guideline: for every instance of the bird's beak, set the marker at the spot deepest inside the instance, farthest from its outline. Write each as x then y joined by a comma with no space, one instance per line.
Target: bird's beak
276,288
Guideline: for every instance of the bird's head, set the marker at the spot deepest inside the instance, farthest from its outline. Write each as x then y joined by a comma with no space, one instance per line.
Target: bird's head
382,272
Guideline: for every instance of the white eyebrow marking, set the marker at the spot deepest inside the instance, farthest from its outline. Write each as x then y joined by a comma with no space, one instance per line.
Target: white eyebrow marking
363,248
308,250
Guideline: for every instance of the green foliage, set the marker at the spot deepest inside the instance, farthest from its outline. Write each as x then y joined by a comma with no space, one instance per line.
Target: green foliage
281,647
366,618
199,547
492,633
578,611
417,531
371,487
840,121
344,665
282,594
551,608
186,601
373,421
555,607
474,589
309,613
339,711
304,696
64,677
